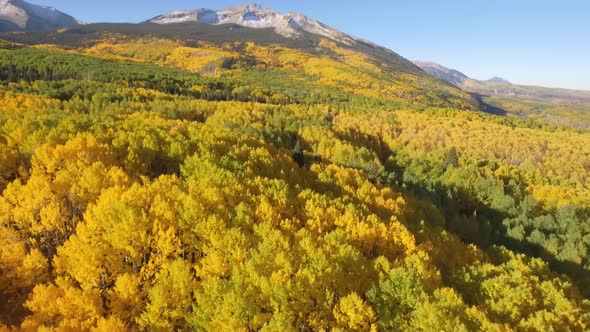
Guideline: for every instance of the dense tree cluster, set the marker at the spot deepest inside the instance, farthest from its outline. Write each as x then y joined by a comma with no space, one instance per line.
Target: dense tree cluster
130,205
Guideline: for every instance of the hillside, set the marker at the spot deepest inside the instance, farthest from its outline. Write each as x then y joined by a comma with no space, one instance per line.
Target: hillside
450,75
199,176
558,106
362,68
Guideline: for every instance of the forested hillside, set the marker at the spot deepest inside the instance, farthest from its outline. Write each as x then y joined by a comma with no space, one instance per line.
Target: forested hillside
168,182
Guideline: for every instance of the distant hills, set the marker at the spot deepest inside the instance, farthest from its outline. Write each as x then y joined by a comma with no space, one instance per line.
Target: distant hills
499,80
501,86
500,96
454,76
450,75
18,15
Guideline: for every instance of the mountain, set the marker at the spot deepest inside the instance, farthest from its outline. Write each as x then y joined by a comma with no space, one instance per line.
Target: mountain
254,38
18,15
449,75
454,76
499,80
290,25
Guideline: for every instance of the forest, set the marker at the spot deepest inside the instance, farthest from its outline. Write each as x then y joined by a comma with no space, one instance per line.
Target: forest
270,188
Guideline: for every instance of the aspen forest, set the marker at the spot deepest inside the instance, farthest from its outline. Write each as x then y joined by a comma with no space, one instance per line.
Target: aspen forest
168,183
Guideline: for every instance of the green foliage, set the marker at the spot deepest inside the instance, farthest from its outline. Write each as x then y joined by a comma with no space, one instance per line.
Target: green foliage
27,64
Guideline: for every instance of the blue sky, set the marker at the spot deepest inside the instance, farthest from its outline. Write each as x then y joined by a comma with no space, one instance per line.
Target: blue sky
541,42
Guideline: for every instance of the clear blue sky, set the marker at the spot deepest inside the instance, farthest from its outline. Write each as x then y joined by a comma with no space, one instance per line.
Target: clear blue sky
541,42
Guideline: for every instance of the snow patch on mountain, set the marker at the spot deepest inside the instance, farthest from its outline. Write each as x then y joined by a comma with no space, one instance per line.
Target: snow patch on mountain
12,13
177,16
25,16
256,16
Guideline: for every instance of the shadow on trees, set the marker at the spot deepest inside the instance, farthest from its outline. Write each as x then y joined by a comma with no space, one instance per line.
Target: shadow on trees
466,216
487,108
475,223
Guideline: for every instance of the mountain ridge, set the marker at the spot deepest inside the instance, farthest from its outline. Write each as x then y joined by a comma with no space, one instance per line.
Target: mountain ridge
453,75
494,85
450,75
254,15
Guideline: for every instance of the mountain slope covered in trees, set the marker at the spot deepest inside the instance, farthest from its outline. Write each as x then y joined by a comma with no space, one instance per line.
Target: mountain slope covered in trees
224,178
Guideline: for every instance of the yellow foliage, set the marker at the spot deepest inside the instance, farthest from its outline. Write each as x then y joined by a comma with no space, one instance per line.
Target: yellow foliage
62,305
163,52
561,154
131,208
555,197
109,325
353,314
